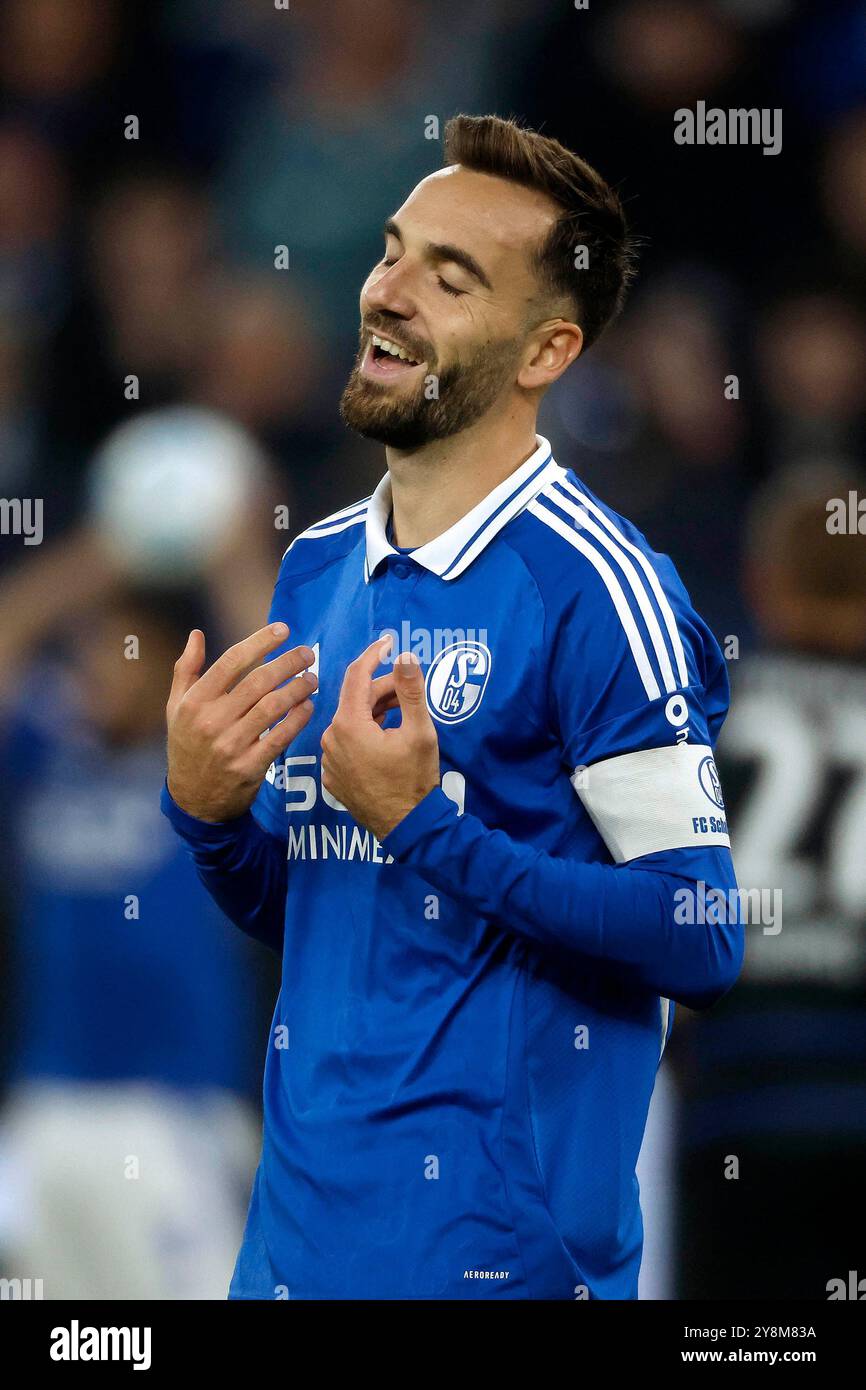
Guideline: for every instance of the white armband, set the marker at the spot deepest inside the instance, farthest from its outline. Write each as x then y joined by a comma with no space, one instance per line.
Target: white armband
655,799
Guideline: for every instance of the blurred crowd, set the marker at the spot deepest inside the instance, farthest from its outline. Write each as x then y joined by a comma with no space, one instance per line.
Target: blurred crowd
257,128
191,194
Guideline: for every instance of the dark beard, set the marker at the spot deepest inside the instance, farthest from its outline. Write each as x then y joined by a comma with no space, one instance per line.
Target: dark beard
466,391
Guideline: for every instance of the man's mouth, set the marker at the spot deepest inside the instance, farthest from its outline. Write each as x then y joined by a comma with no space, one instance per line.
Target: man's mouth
387,360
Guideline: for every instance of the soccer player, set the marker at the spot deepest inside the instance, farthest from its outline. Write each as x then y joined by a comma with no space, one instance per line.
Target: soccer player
470,851
775,1077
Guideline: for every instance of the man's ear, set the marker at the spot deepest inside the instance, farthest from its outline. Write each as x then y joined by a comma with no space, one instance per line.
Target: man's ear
552,349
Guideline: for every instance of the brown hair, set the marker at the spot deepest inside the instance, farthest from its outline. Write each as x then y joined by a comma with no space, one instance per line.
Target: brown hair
592,214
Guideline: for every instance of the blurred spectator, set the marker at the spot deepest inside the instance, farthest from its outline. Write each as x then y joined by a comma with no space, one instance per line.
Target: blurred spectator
651,424
347,116
51,52
19,427
843,186
670,53
140,308
811,352
774,1111
126,1142
33,212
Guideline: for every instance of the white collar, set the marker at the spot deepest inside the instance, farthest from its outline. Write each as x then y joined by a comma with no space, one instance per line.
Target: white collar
451,553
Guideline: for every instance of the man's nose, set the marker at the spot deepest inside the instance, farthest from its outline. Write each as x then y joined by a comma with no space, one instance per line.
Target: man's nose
391,293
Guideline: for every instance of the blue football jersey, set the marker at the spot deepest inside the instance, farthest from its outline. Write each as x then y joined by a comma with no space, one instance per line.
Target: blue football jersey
121,968
456,1087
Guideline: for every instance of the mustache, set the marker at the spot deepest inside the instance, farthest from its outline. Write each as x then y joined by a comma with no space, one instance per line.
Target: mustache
421,351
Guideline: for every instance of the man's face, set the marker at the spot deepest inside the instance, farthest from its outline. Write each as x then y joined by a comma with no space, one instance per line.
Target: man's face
455,296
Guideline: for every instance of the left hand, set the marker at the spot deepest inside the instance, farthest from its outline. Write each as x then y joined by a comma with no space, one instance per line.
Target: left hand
380,774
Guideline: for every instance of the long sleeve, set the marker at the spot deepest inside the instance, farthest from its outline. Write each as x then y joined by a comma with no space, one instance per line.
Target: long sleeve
242,866
633,916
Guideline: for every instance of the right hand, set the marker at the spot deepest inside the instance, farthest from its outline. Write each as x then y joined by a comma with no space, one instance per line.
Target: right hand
218,750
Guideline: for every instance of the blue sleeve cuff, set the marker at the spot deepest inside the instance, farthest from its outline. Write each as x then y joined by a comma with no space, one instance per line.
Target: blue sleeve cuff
434,813
200,832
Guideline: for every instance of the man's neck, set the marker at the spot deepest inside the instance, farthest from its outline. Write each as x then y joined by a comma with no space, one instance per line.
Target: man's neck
433,487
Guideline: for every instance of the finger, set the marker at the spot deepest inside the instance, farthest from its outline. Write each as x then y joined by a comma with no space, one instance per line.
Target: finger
271,674
409,685
274,705
234,663
381,707
276,740
383,696
381,688
188,666
356,692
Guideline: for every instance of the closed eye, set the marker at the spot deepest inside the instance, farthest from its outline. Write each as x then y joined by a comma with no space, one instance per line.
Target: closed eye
449,289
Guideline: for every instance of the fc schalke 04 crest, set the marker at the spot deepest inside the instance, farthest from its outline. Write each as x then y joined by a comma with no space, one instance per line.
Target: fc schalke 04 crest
708,777
456,681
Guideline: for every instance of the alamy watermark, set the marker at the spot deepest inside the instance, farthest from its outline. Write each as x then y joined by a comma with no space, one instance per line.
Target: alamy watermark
737,126
846,516
22,516
717,906
77,1343
21,1290
428,642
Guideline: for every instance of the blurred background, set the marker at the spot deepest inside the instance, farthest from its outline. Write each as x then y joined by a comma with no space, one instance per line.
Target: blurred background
191,194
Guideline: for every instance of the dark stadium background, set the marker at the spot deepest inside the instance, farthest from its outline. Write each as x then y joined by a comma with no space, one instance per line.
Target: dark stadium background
260,127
